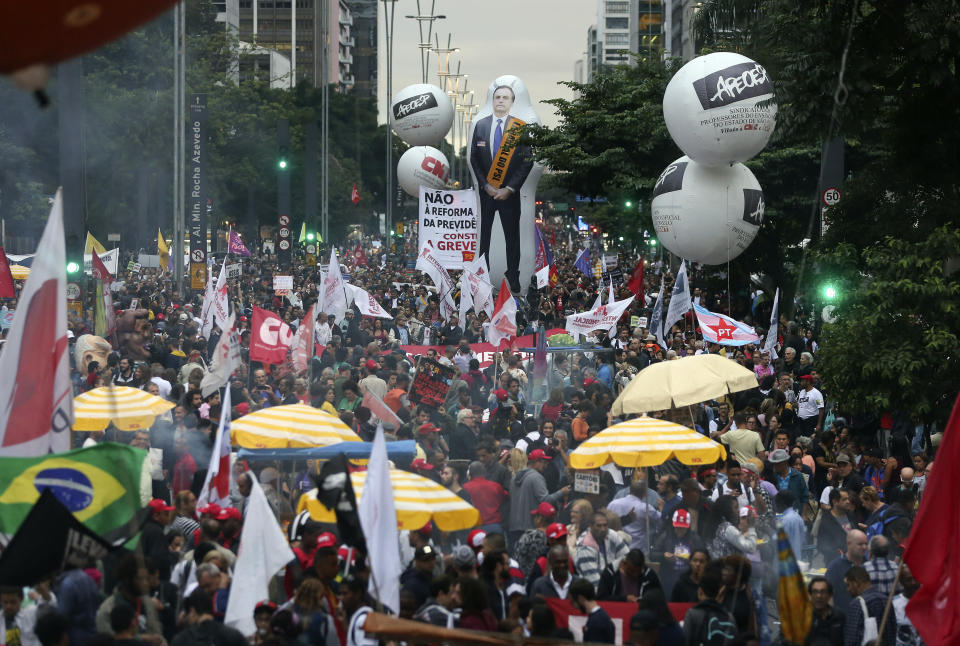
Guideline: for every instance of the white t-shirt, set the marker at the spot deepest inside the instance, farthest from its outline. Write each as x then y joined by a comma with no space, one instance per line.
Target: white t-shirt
809,403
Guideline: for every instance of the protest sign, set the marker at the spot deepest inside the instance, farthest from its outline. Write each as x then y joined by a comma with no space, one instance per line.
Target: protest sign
282,282
448,219
235,270
586,482
431,383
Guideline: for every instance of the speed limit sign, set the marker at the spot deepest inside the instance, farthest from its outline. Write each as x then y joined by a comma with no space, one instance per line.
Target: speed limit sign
284,244
284,232
831,196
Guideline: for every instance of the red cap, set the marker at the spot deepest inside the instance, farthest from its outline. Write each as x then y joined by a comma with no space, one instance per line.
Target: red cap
500,394
475,539
161,316
803,377
156,505
243,318
344,551
210,510
426,530
371,364
537,454
327,540
681,518
420,463
546,510
229,512
428,428
556,530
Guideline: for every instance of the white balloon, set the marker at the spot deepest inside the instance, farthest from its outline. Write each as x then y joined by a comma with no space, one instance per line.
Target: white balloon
707,214
421,114
712,112
422,166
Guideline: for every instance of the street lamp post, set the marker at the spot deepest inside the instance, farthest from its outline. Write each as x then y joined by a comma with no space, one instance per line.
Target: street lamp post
425,44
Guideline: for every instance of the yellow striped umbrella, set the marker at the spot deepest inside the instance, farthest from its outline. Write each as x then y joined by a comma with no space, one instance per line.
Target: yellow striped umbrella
289,427
129,409
418,500
646,442
19,272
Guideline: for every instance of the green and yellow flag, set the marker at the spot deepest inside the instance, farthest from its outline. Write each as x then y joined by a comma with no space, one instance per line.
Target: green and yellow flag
91,244
793,602
100,485
303,232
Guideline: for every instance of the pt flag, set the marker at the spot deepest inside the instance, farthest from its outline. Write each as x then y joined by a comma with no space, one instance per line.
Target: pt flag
355,194
503,323
933,550
270,337
36,396
723,330
100,485
216,486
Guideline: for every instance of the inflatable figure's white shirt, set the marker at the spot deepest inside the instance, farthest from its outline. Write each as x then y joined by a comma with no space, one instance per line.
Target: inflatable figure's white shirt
522,109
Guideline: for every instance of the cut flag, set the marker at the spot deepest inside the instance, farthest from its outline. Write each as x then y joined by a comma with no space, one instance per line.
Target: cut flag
91,245
270,337
236,246
679,299
263,552
378,518
380,410
216,486
163,251
36,396
770,343
545,270
355,194
603,317
656,319
723,330
7,289
503,323
933,549
367,304
333,297
226,359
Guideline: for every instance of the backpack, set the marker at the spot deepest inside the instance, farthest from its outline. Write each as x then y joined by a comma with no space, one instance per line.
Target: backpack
880,525
712,625
479,389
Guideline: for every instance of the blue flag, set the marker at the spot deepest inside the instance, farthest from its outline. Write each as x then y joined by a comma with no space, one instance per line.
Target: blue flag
583,263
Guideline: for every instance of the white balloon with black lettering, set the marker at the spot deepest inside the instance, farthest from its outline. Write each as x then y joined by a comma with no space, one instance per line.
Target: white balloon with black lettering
713,110
707,214
421,114
422,166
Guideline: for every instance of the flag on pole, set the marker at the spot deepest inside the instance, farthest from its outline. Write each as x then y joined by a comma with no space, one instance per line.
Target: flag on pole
378,518
92,244
216,486
380,409
723,330
583,263
933,549
302,339
478,284
503,323
355,194
603,317
679,299
544,268
367,304
7,289
162,250
770,343
221,300
105,322
432,267
36,396
207,307
263,552
656,318
360,256
236,246
635,283
334,297
303,233
226,359
793,602
335,491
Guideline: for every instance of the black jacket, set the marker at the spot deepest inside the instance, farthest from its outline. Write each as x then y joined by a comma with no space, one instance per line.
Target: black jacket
210,633
709,624
832,539
610,587
828,630
599,628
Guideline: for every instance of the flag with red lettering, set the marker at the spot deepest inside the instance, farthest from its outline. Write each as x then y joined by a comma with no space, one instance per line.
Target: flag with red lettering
503,323
36,397
355,194
380,410
367,304
7,289
216,486
270,337
302,338
635,284
933,550
723,330
360,256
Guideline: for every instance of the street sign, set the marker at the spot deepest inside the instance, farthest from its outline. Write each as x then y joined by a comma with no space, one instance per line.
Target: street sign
196,255
284,245
831,196
73,291
113,237
198,275
284,220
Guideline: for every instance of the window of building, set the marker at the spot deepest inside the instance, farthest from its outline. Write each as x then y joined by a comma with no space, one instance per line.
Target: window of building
617,39
618,7
618,23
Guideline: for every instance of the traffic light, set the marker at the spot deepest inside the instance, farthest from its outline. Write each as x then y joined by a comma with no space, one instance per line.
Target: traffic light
829,291
311,236
73,267
282,154
628,204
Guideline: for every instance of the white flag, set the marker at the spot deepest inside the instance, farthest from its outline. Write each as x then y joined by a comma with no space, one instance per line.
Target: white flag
599,318
432,267
679,299
206,310
466,300
226,359
478,281
770,343
378,518
36,397
300,347
263,551
216,486
656,318
367,304
333,296
611,297
543,277
221,301
503,323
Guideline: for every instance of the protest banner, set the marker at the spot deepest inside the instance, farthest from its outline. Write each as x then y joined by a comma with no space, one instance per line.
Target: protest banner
620,612
600,318
431,383
448,219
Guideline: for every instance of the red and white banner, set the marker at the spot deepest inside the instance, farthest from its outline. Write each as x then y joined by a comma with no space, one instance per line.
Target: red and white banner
478,285
221,301
503,323
226,359
216,486
36,397
300,348
428,263
723,330
367,304
602,317
380,410
620,612
333,297
270,337
448,221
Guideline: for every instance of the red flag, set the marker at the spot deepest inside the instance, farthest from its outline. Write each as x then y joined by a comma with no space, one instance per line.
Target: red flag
7,289
270,337
216,487
100,270
355,194
933,549
635,284
503,323
359,256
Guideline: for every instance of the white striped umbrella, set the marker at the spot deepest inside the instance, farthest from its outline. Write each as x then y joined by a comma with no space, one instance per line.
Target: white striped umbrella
418,500
289,427
129,409
646,442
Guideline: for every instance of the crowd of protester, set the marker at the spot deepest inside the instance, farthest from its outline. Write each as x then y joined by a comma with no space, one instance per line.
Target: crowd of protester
844,489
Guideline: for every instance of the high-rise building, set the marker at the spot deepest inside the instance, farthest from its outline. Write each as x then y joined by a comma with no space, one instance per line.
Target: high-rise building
679,41
364,33
624,27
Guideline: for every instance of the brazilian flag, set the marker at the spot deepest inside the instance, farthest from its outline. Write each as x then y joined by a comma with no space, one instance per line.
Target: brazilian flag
100,485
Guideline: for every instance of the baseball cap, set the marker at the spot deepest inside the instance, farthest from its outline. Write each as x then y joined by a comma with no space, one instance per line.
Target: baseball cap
420,463
546,510
265,606
873,453
210,510
157,504
843,457
227,513
343,552
326,541
681,518
515,588
556,530
500,394
475,538
778,456
427,428
463,557
426,530
806,377
371,364
425,552
537,454
643,620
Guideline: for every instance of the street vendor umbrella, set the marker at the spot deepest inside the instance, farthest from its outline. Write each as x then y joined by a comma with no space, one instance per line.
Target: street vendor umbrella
19,272
418,500
289,427
646,442
129,409
681,382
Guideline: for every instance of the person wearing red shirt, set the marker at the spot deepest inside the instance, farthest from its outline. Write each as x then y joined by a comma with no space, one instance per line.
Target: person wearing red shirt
487,497
185,466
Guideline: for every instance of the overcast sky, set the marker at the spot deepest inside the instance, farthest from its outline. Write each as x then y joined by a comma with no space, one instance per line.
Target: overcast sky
536,40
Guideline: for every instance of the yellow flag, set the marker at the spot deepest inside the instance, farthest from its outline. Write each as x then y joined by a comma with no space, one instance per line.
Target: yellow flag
92,244
163,251
303,233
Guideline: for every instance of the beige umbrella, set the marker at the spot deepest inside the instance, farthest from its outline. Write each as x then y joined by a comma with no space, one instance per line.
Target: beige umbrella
646,442
681,382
